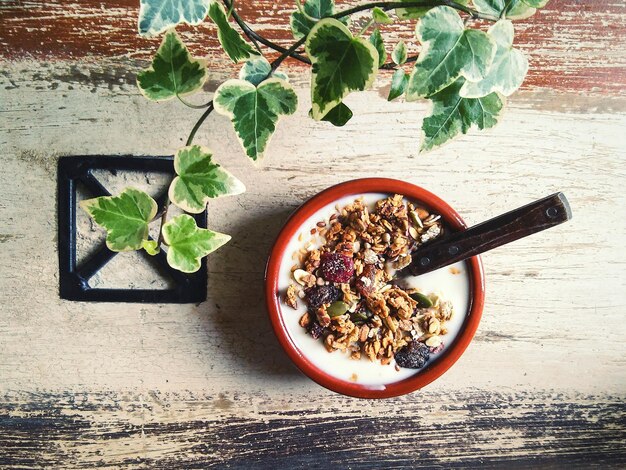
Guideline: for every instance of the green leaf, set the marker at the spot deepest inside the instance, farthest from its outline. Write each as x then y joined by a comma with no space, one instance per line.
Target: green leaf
380,16
453,114
341,64
199,179
376,39
187,243
255,110
399,54
513,9
338,116
318,9
156,16
448,52
536,3
233,44
125,217
417,12
508,70
151,247
173,71
399,81
255,70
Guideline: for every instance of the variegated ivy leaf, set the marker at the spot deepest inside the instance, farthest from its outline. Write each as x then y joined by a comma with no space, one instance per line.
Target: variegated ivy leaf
258,69
448,52
125,218
255,110
301,23
200,179
156,16
233,44
417,12
341,64
376,39
508,70
452,114
380,16
511,9
187,243
399,81
338,116
399,54
173,71
151,247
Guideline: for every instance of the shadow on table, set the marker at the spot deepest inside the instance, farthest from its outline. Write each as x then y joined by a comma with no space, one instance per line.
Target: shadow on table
236,298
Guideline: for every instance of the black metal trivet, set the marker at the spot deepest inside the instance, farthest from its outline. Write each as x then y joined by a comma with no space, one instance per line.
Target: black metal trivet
189,288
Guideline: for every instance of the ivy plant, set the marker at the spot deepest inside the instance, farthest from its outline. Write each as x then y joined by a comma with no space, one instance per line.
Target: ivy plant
467,67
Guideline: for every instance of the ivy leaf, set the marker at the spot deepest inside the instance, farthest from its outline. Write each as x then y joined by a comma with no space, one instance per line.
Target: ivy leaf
417,12
318,9
338,116
199,179
399,54
513,9
376,39
151,247
341,64
156,16
380,16
173,71
233,44
187,243
536,3
399,81
125,217
257,69
508,69
448,52
255,110
453,114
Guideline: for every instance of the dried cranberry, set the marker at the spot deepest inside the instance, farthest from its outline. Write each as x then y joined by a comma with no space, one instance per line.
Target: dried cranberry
317,296
365,282
336,267
413,356
316,330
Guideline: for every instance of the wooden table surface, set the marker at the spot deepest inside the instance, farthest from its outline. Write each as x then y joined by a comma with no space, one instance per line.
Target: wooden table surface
85,385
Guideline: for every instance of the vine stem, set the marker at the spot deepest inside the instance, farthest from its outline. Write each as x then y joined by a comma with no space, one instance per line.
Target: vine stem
190,105
192,134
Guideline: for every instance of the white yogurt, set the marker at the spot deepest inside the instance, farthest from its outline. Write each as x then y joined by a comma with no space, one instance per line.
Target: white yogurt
450,286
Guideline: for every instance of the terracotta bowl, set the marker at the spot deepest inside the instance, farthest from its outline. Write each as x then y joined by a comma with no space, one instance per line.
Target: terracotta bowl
276,306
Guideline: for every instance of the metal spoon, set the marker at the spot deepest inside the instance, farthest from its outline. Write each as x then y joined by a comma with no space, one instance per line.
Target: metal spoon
519,223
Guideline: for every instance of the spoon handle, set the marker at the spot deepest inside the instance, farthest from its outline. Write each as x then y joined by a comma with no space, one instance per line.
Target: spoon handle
519,223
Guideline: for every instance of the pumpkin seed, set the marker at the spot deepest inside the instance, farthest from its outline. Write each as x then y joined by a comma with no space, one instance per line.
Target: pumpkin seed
422,300
337,308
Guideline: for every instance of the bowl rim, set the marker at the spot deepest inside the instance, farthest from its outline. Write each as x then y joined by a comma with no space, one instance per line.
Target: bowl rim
272,296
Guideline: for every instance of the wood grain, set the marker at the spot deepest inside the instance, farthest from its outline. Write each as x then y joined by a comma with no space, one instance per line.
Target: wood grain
573,45
451,430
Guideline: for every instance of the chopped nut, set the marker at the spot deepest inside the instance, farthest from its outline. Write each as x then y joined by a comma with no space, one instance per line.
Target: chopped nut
291,296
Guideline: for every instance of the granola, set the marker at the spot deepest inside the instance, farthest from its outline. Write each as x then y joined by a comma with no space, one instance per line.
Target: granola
354,304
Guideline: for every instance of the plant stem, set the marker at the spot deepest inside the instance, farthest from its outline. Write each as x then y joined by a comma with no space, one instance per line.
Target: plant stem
256,37
288,53
190,105
386,6
166,206
197,125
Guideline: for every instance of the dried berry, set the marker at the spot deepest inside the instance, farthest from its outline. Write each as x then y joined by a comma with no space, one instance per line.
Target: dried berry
336,267
413,356
366,281
316,330
317,296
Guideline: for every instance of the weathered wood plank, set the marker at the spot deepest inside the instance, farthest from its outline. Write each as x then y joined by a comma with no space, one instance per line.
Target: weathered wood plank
469,429
574,45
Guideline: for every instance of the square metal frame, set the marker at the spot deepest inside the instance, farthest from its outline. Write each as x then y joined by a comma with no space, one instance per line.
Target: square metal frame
73,280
